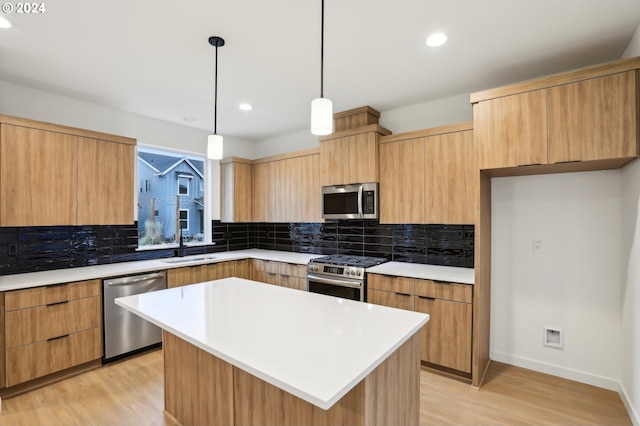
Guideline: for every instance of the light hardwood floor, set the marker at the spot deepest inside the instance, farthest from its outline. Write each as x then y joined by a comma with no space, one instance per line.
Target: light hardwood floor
130,393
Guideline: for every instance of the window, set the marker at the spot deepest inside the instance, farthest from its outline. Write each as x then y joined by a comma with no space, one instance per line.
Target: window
170,184
184,220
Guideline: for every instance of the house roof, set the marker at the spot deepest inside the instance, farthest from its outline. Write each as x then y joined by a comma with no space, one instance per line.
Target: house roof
163,164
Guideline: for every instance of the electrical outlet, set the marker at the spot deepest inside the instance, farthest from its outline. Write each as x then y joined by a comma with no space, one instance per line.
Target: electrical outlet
553,337
537,247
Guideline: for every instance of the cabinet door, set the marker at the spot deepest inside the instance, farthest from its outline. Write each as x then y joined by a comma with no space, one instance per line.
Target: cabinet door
243,269
350,159
38,177
511,131
105,182
300,190
188,275
217,271
236,189
264,181
402,190
593,119
447,341
449,168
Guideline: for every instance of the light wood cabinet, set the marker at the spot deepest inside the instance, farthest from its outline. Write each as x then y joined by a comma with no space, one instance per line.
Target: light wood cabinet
447,341
106,172
402,181
351,156
581,117
56,175
593,119
186,275
286,188
427,176
51,329
236,190
38,177
279,273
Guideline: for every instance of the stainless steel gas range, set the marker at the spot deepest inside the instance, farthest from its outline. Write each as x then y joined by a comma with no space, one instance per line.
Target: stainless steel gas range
341,275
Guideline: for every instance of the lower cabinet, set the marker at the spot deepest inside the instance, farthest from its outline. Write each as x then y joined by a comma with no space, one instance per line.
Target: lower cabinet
447,341
50,329
186,275
279,273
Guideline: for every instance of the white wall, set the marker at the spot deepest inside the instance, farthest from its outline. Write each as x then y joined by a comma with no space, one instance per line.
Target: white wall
630,302
21,101
573,285
452,110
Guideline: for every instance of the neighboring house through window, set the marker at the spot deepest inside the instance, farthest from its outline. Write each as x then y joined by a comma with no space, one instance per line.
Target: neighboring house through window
171,197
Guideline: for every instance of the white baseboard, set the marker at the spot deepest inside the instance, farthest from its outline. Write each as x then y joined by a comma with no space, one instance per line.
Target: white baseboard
633,414
556,370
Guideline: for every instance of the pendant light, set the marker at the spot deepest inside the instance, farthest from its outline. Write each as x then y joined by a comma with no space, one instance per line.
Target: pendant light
214,142
321,108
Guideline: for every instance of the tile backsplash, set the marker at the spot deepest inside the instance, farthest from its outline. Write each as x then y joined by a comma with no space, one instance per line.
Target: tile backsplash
32,249
450,245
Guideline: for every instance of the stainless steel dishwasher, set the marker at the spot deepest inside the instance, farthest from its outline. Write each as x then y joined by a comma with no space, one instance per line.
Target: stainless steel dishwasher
125,332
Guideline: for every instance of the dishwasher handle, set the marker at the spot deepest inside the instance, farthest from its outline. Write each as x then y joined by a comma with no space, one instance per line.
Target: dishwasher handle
134,279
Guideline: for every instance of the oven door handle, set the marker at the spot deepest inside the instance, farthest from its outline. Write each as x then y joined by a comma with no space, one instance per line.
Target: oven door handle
333,281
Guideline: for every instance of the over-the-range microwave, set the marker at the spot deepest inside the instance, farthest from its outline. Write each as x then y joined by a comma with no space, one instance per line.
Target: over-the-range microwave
352,201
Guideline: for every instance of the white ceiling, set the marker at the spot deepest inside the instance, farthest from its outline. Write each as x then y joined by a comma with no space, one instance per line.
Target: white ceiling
153,58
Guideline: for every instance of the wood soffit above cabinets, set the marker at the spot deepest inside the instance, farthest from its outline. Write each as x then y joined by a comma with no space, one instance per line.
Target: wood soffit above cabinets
440,130
557,79
40,125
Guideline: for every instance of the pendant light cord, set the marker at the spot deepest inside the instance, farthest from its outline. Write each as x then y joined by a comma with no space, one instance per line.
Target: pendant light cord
215,97
322,52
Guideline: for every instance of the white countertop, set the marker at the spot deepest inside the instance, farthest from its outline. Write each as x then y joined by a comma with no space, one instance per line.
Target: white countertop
313,346
429,272
37,279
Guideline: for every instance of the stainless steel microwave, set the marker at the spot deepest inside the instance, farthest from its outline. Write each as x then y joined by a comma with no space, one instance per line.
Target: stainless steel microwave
353,201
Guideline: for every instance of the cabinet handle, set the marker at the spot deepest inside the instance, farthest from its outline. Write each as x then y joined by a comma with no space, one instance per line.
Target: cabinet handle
528,165
271,273
286,276
56,285
568,161
403,294
442,282
57,303
59,337
428,298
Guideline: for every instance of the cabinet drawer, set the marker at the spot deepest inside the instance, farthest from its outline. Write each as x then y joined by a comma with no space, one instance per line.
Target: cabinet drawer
391,283
26,326
20,299
291,269
444,290
392,299
265,265
290,281
265,277
29,362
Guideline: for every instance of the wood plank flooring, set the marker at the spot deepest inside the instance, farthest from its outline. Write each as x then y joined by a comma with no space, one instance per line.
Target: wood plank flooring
131,393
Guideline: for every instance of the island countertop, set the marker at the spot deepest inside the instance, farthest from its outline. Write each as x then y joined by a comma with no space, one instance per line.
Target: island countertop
313,346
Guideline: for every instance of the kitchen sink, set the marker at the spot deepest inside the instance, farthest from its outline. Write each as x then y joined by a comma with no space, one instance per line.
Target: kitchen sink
189,259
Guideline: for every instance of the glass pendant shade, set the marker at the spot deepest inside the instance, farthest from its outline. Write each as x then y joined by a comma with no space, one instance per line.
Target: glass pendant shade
214,147
321,116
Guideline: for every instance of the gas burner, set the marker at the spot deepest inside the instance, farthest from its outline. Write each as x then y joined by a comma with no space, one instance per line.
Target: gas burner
351,260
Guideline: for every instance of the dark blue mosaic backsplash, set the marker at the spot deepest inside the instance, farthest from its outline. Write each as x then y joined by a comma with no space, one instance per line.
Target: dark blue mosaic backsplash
449,245
31,249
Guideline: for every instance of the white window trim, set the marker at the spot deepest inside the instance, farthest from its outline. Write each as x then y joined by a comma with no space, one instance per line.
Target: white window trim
186,186
180,220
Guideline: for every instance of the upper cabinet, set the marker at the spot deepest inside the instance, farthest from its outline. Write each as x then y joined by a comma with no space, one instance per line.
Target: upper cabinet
55,175
236,190
588,116
427,176
350,154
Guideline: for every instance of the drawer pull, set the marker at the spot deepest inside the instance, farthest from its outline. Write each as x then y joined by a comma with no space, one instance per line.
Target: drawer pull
428,298
403,294
59,337
271,273
57,285
442,282
286,276
57,303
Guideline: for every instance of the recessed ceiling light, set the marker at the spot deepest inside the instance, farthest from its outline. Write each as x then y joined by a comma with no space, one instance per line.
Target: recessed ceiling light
4,22
245,107
437,39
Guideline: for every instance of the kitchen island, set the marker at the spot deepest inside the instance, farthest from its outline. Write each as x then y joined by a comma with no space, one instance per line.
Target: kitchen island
242,352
